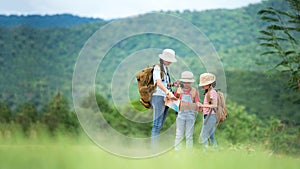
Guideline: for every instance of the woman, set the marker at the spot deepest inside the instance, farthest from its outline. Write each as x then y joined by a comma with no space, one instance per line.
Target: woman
161,79
207,83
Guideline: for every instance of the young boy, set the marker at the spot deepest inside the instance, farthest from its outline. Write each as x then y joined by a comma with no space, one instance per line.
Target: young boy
189,99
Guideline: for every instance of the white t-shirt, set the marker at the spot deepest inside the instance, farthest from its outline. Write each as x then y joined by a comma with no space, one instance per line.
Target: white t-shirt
165,81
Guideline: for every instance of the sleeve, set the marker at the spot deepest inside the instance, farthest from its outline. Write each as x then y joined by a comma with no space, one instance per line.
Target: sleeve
156,73
214,95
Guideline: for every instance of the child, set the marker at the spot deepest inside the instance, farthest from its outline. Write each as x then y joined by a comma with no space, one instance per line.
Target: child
207,83
189,99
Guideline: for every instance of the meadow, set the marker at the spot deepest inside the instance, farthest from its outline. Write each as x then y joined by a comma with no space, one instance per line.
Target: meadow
62,151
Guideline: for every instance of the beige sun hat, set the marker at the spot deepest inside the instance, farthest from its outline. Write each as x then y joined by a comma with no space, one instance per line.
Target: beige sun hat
206,79
187,76
168,55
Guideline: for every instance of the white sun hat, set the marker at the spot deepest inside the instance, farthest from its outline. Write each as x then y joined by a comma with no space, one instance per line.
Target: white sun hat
206,79
168,55
187,76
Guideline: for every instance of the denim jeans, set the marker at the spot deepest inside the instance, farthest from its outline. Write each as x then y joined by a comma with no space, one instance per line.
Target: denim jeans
208,131
160,112
184,125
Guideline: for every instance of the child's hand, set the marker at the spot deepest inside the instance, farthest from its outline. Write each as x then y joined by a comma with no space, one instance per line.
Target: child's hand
200,109
199,104
176,84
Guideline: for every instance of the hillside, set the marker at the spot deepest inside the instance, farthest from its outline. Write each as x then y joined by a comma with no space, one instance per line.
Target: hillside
38,55
46,21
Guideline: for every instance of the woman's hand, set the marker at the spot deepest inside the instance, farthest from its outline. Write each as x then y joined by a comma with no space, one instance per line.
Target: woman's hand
171,96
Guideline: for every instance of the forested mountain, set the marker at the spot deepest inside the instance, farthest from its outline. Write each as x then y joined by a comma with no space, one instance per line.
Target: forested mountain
46,21
38,55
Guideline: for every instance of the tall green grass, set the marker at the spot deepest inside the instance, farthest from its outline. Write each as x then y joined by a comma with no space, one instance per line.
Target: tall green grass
63,151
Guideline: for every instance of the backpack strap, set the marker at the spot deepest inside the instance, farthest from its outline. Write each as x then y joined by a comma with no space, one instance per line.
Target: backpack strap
192,93
162,73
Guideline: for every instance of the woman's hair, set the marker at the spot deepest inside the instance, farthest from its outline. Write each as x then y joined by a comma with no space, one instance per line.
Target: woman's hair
161,63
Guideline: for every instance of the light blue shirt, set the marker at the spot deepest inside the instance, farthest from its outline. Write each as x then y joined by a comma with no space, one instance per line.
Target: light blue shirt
156,75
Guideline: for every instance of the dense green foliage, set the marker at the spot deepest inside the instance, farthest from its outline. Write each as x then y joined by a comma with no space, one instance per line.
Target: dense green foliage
281,37
55,115
239,128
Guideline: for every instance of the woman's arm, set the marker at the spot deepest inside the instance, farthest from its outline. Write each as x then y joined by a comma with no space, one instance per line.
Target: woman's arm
169,94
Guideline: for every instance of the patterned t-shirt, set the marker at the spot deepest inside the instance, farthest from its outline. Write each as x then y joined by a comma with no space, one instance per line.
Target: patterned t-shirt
213,98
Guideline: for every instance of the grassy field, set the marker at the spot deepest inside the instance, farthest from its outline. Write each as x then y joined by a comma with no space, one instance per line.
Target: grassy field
66,152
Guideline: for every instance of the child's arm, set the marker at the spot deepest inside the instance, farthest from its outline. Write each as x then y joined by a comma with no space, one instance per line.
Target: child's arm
213,105
198,103
213,101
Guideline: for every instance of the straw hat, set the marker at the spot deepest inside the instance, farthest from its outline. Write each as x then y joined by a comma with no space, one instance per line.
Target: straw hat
206,79
168,55
187,76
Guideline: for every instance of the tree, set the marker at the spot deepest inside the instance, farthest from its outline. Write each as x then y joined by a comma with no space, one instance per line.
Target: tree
281,39
5,113
57,113
26,114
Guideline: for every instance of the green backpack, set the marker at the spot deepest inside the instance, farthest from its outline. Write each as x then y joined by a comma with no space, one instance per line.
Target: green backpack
146,85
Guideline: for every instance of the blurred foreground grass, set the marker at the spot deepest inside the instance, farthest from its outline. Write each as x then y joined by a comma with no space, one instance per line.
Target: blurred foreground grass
68,152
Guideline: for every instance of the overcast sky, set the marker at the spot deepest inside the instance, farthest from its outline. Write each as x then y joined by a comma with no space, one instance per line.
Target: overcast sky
111,9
